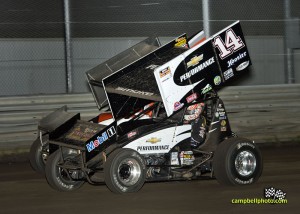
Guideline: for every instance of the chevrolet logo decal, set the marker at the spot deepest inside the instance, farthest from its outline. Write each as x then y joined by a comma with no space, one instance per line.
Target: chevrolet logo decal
153,140
195,61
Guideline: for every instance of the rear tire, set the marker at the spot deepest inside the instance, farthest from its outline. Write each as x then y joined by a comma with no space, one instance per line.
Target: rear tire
237,161
124,171
59,178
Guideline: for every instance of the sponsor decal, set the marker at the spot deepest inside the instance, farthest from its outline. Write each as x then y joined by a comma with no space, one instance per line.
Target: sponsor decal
206,89
134,91
153,140
228,74
181,42
101,139
223,122
221,113
197,69
164,72
236,59
217,80
202,131
192,97
174,158
242,66
177,106
131,134
153,148
217,114
194,61
186,157
220,109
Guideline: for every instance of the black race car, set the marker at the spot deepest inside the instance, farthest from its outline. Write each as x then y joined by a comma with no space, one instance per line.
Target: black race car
163,119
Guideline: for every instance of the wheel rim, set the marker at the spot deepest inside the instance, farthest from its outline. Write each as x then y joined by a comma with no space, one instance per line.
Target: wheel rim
45,154
65,175
245,163
129,172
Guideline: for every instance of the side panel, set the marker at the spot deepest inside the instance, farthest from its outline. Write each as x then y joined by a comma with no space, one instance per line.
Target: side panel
161,141
169,91
198,71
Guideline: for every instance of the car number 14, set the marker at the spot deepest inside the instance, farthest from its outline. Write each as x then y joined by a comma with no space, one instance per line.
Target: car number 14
231,45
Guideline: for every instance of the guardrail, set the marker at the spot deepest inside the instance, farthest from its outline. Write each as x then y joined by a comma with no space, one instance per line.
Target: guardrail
262,113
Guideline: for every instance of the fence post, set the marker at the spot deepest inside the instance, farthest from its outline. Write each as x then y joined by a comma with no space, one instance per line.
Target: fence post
288,51
206,17
68,47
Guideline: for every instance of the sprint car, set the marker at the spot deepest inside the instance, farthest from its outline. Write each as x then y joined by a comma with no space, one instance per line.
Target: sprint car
163,119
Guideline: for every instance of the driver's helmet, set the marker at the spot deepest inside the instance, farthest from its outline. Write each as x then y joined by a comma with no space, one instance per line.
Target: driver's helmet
193,111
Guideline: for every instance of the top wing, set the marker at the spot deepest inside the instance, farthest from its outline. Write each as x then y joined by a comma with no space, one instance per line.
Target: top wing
175,73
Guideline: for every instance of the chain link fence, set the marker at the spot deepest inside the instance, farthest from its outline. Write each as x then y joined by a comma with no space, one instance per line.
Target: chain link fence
33,50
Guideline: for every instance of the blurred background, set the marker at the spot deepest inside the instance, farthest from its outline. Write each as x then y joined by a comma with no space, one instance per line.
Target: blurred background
47,46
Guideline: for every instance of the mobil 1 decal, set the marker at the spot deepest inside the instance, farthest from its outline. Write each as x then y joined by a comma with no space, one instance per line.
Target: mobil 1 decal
199,66
231,50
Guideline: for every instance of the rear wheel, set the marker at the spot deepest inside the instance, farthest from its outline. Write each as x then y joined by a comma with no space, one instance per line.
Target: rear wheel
60,178
124,171
237,161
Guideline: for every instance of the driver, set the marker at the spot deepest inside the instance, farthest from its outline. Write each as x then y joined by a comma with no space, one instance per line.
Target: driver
194,117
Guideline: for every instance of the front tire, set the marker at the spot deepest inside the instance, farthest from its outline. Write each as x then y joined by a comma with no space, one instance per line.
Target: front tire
58,178
124,171
237,161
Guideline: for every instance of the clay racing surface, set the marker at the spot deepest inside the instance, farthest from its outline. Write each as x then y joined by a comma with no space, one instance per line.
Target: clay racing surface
24,191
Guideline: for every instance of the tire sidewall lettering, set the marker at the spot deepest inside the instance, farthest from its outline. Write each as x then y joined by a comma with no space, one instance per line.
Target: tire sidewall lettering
64,185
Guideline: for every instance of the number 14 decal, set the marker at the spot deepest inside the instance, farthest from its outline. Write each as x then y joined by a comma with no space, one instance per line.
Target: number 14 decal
232,44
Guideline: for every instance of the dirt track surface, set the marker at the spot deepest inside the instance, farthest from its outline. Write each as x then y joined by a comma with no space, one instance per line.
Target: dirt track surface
24,191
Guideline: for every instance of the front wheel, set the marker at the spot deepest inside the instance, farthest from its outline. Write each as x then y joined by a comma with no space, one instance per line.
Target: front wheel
237,161
124,171
60,178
